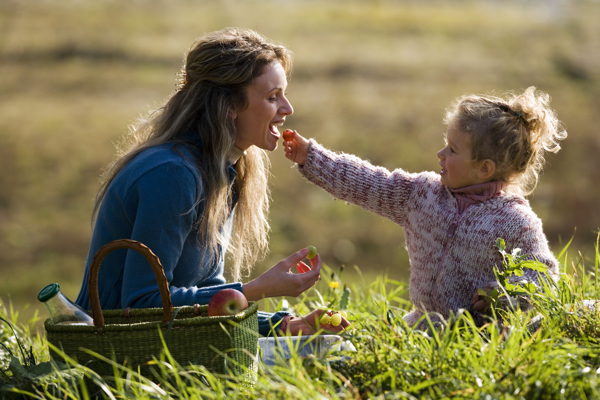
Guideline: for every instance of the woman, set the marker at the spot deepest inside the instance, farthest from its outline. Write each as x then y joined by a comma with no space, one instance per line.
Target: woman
194,185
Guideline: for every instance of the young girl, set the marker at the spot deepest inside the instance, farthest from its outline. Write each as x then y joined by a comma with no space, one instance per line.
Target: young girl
494,153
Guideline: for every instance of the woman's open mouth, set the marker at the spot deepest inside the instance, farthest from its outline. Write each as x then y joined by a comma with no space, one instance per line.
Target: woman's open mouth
273,128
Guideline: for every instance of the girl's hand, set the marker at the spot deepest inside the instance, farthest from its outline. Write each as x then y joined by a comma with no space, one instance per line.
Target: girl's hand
481,302
281,281
296,149
307,325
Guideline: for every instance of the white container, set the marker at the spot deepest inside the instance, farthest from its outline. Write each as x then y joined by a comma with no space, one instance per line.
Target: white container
274,349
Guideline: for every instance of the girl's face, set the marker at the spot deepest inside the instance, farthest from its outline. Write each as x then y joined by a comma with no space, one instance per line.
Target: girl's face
458,168
267,109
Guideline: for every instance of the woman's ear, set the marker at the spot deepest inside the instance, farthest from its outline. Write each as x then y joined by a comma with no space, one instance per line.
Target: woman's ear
232,113
487,169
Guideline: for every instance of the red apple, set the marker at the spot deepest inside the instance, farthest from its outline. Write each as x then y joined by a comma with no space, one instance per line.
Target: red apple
227,302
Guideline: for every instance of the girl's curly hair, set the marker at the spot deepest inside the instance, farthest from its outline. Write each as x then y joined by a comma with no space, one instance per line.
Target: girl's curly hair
514,132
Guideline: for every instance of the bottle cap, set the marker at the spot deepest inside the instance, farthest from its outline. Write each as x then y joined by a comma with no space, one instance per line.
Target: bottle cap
48,292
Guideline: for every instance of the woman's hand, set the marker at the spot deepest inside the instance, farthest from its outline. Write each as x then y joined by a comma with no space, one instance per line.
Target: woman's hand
296,149
307,325
280,281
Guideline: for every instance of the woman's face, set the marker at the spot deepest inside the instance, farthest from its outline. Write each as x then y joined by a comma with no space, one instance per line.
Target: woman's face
458,168
267,109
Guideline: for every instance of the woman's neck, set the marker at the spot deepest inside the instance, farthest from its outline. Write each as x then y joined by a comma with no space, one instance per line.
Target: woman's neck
235,154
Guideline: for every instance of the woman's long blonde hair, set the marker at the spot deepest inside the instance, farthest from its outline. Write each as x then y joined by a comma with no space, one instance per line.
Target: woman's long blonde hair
213,81
514,132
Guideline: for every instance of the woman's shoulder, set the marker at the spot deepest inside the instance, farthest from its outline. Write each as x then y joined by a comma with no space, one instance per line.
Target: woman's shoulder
165,164
163,155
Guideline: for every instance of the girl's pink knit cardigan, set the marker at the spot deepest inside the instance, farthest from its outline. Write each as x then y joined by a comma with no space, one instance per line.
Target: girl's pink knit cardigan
451,254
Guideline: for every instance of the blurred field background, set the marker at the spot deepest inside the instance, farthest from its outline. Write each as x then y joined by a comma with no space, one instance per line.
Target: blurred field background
371,78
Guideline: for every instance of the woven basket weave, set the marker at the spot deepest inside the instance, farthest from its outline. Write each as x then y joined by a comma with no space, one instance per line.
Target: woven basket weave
225,344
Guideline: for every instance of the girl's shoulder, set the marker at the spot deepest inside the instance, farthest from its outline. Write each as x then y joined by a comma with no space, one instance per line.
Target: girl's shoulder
510,201
428,182
425,178
426,192
513,207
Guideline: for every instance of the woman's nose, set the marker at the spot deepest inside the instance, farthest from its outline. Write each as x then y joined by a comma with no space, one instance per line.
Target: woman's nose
286,108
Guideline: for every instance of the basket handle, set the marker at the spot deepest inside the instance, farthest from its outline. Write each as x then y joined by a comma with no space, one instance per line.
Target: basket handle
154,262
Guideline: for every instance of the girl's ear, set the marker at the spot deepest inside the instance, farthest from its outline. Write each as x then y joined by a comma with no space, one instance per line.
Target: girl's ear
232,113
487,169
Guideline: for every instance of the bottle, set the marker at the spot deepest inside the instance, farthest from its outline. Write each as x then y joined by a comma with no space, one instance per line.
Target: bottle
61,309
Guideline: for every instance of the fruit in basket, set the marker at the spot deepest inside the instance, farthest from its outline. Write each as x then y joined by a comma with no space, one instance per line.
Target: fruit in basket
312,252
288,135
227,302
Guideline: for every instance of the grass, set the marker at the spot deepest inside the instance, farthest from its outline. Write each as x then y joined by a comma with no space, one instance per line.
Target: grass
370,77
504,359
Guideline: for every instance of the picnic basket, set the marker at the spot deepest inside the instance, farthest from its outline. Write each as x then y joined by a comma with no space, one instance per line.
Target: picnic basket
223,344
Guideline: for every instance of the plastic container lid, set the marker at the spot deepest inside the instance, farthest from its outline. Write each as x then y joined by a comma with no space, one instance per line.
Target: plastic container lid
48,292
274,349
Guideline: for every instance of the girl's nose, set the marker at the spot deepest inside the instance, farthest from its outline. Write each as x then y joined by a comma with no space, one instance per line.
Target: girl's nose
440,154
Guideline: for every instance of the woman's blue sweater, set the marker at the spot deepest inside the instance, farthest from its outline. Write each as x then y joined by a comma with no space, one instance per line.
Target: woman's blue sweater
156,200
